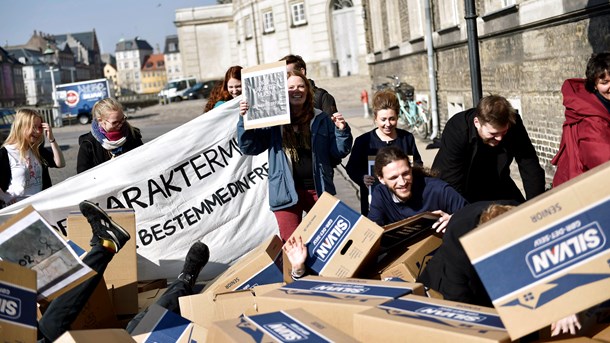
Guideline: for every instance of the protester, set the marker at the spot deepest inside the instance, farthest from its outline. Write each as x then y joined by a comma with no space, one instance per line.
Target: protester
107,240
478,147
228,90
449,271
385,108
24,161
300,153
585,141
323,100
111,135
407,191
297,254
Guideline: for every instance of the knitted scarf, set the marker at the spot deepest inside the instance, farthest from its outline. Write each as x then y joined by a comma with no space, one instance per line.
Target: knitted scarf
115,146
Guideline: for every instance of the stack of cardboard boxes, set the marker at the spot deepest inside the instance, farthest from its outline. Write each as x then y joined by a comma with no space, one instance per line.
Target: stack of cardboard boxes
540,262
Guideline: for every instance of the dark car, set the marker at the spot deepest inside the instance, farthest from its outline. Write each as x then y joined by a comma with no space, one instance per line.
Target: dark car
200,90
7,117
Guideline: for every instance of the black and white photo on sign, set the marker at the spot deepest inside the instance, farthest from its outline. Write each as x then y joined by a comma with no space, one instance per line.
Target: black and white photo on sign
32,243
266,91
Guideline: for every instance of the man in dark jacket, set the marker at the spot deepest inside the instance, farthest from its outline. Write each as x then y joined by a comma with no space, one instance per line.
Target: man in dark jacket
322,99
478,147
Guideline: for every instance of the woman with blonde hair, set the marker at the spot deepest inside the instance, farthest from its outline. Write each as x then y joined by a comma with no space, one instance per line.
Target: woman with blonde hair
24,161
110,136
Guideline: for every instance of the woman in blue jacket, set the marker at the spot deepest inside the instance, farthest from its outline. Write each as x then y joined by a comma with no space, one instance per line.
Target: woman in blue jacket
300,153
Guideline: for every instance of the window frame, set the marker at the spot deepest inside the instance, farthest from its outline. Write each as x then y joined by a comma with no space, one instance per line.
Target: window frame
300,12
268,24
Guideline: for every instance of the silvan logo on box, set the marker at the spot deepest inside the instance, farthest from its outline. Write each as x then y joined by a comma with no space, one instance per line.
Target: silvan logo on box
329,237
449,313
566,250
284,332
339,288
10,307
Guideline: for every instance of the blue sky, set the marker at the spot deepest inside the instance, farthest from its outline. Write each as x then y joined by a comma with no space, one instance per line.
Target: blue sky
111,19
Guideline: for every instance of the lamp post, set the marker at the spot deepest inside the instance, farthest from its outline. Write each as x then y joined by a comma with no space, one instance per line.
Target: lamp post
57,121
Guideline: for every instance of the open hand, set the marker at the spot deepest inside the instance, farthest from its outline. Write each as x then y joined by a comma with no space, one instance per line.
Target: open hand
296,252
339,121
441,223
568,324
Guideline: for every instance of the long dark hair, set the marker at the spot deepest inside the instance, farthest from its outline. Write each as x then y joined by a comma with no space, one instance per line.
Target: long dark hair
221,91
307,111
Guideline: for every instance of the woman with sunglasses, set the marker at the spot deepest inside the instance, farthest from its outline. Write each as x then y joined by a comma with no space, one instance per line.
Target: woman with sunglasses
110,136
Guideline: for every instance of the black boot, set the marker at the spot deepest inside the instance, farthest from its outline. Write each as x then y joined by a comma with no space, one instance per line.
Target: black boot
195,260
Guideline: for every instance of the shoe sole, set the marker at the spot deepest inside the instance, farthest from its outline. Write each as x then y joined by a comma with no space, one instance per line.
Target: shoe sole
112,223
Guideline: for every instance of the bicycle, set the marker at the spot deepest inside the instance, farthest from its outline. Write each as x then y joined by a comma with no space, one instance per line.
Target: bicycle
413,114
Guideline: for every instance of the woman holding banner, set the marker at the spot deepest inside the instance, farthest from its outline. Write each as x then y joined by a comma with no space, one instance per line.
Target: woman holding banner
24,161
300,153
110,136
230,89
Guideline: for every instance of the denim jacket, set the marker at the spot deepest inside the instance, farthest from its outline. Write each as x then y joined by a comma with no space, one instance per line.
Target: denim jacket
326,141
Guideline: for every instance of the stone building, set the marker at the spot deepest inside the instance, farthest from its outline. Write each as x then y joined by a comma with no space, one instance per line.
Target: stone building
130,56
87,55
527,49
110,72
36,74
329,35
12,92
173,59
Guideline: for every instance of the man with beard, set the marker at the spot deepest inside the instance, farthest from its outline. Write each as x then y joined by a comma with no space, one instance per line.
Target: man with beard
478,147
409,190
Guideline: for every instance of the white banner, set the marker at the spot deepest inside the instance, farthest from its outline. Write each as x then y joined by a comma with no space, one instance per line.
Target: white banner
190,184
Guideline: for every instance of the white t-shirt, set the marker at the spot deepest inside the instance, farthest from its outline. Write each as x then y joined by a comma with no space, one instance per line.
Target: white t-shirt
26,176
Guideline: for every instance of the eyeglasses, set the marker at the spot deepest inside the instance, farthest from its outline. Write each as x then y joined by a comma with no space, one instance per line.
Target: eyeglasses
116,123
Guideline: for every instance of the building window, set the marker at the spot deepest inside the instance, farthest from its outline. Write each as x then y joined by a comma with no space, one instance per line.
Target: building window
448,13
135,64
248,27
172,47
268,22
393,21
496,5
416,12
297,10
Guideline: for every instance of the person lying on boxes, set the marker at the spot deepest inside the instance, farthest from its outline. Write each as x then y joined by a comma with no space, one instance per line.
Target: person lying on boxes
409,190
450,272
107,240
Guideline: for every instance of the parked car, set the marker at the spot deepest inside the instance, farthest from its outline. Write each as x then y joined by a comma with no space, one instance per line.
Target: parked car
200,90
7,117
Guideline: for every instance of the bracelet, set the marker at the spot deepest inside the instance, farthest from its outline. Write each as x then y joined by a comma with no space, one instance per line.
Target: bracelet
52,140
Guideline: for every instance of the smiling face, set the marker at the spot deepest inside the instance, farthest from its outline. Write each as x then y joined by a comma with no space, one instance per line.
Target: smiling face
602,85
297,91
234,87
386,121
491,135
398,177
112,121
35,132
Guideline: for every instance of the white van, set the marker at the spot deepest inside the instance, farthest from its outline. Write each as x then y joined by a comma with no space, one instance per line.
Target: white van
174,89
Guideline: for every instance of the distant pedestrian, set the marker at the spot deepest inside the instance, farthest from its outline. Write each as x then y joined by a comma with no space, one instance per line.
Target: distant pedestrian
24,161
585,141
385,108
228,90
110,136
300,153
478,147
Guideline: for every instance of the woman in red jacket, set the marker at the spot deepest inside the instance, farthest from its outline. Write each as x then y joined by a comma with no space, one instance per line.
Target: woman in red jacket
585,142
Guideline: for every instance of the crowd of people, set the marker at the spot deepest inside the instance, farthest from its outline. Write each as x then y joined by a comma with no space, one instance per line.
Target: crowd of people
468,183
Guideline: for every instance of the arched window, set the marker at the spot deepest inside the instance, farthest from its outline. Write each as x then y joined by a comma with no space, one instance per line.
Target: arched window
341,4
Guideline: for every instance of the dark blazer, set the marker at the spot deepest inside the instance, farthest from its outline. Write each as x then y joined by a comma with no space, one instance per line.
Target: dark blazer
450,271
91,153
457,162
5,167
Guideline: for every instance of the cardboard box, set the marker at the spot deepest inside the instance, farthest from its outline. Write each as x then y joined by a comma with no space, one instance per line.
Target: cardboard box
259,267
205,308
121,275
548,258
18,321
604,335
411,228
150,285
161,325
98,313
334,300
412,262
95,336
285,326
148,298
426,320
339,240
